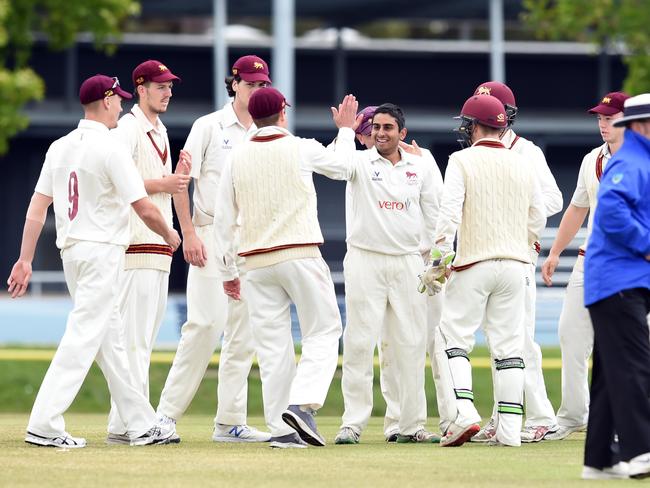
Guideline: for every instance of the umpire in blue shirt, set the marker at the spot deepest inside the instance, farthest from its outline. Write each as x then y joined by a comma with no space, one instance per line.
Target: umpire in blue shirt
617,293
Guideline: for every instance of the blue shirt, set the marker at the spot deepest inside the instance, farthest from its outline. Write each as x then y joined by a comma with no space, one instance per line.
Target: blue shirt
620,238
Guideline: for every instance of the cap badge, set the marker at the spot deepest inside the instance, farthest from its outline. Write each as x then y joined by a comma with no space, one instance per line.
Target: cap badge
109,93
162,67
501,118
258,65
607,100
139,80
235,71
483,90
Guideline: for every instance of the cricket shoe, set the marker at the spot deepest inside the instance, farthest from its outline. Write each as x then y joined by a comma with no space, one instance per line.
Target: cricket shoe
289,441
347,435
563,432
65,441
158,434
392,436
487,432
639,466
536,433
457,435
303,422
239,433
165,421
118,439
421,436
618,471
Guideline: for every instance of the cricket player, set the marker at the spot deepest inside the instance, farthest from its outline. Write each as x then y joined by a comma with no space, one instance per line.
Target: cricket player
575,329
91,180
209,311
267,185
145,282
492,203
540,416
394,200
388,379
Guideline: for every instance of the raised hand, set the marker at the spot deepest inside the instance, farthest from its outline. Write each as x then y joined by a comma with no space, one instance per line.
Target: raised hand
346,113
184,165
175,183
412,148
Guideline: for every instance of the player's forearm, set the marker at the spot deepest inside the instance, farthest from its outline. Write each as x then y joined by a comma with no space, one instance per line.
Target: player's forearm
153,186
31,234
571,222
182,207
151,216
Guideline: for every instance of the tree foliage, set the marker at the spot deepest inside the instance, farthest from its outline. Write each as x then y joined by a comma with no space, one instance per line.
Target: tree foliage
603,22
60,21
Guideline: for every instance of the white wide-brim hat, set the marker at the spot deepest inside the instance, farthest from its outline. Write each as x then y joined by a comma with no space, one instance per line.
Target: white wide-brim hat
635,108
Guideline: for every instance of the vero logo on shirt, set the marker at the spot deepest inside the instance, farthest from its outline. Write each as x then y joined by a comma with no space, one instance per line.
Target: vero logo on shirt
399,206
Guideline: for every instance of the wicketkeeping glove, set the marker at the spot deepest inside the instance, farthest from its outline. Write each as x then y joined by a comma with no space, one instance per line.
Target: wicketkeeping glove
435,272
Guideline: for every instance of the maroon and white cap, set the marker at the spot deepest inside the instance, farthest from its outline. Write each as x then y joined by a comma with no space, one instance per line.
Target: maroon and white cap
101,86
152,70
611,104
251,68
266,102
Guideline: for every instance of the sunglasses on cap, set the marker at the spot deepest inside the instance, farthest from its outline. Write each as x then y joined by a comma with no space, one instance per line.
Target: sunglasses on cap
116,83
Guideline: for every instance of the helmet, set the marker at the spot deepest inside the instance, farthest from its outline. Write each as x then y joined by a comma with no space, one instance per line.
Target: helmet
503,93
482,109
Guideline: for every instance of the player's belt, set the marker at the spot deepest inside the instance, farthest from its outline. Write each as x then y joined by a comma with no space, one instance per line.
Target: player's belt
538,247
581,252
162,249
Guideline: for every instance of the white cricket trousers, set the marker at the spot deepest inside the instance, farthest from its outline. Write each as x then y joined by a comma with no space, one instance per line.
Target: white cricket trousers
210,313
381,297
576,343
93,332
142,302
270,291
490,293
389,380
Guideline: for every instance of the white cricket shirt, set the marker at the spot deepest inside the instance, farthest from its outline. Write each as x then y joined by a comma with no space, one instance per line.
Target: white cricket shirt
92,180
586,192
550,192
210,141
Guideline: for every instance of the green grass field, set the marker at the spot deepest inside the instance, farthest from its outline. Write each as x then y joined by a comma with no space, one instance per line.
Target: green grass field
199,461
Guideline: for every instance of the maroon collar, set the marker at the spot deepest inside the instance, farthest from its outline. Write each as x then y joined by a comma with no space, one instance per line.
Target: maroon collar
268,138
490,143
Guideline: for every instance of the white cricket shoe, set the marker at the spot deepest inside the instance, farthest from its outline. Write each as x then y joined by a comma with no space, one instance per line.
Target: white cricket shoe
537,433
165,421
487,432
65,440
618,471
347,435
158,434
239,433
639,466
563,432
457,435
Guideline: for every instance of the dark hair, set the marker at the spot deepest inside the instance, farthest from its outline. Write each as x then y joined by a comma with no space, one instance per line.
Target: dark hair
394,111
267,121
228,81
136,95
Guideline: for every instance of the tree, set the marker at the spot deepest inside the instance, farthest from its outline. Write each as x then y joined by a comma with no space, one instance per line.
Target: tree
602,22
60,21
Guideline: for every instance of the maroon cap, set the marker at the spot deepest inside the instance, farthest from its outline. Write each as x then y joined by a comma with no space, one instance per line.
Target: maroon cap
611,104
365,127
251,68
152,70
101,86
487,110
497,89
266,102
